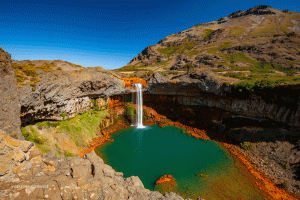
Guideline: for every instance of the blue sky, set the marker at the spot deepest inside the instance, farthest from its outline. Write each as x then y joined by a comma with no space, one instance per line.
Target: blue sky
105,33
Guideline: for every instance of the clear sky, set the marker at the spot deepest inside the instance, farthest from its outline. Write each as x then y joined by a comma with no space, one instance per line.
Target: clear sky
105,33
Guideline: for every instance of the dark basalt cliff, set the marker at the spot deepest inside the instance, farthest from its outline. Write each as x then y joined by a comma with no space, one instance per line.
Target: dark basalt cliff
202,88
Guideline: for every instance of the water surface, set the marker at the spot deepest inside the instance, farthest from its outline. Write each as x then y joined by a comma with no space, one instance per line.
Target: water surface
155,151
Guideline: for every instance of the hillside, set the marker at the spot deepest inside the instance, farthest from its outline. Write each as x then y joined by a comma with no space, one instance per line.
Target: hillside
246,47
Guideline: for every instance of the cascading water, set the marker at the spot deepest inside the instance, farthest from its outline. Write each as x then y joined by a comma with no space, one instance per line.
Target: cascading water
139,103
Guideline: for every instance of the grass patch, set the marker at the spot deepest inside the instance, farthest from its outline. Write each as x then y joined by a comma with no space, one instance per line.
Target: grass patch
207,32
247,146
240,76
262,83
225,45
81,128
35,137
238,57
236,31
287,70
69,154
177,49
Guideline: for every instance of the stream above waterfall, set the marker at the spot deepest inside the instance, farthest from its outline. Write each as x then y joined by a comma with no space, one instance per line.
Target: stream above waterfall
202,168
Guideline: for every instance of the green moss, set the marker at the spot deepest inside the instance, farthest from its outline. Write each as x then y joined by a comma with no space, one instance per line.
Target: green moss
69,154
129,110
207,33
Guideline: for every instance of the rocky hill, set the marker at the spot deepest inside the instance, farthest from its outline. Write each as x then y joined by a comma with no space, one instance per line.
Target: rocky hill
260,43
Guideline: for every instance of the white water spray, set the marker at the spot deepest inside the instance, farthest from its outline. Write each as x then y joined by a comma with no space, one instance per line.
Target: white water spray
139,103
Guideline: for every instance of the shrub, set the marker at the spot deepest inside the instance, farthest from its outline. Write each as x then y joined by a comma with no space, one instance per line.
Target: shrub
15,135
287,70
207,33
145,114
188,67
247,146
285,11
59,68
63,115
69,154
235,75
284,164
130,110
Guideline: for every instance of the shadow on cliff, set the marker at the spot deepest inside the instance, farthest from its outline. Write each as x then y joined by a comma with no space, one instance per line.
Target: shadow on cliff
219,125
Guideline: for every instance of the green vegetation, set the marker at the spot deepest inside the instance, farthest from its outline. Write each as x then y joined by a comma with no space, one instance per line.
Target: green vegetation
288,71
237,57
239,75
169,72
59,68
68,154
267,164
207,33
24,72
194,52
63,115
247,146
236,31
150,72
81,128
129,110
145,114
177,49
95,105
284,164
251,85
188,67
34,136
225,45
162,63
15,135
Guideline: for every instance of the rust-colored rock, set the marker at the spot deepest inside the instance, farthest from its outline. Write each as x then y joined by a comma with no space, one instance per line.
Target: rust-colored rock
166,179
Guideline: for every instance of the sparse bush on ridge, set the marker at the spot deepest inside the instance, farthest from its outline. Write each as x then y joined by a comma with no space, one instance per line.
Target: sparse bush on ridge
207,33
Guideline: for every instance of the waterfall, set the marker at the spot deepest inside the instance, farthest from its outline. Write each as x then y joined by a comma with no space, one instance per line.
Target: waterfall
139,103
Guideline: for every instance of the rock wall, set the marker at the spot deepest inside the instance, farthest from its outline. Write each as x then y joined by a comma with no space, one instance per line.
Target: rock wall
67,95
281,104
26,174
9,98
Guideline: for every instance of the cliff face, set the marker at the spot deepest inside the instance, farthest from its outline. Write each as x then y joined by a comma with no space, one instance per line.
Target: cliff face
9,98
280,104
64,94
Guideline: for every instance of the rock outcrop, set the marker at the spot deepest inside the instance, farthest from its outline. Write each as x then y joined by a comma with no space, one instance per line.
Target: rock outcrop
26,174
9,98
202,88
64,94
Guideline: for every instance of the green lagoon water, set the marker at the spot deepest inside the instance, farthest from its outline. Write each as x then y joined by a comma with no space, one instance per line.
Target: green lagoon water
155,151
